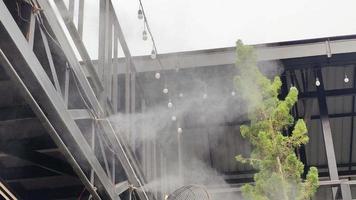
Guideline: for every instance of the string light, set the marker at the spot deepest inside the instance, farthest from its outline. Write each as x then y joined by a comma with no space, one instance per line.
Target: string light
174,118
317,82
153,54
180,130
233,93
346,79
139,14
157,75
165,90
170,104
144,35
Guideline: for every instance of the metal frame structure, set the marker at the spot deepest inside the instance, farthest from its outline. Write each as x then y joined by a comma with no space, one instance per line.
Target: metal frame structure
51,67
101,158
307,58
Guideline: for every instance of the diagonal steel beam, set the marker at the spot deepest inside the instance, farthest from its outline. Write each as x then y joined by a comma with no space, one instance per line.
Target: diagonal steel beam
122,151
50,13
37,88
328,140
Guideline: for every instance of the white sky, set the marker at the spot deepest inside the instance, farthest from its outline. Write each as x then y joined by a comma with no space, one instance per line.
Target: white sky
183,25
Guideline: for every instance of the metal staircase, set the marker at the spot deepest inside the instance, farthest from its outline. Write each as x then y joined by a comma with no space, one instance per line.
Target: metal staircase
46,60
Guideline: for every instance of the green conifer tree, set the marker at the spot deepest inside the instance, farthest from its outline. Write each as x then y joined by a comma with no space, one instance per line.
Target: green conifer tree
273,154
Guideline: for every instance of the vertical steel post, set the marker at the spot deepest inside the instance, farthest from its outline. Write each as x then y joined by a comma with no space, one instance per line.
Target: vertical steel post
80,18
352,120
328,140
115,65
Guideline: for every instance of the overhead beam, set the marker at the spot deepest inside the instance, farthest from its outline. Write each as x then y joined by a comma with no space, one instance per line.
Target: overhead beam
227,56
336,115
329,93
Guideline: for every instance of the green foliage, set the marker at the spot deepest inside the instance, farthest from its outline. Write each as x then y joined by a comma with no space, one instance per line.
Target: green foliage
273,154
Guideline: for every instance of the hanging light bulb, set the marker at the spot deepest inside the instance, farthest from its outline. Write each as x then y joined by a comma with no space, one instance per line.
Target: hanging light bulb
157,75
346,79
174,118
153,54
144,35
180,130
181,95
317,82
165,90
170,104
233,93
205,96
139,14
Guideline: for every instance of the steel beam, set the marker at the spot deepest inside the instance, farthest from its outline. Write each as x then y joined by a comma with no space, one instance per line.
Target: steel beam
29,75
123,152
122,187
337,115
227,56
50,61
331,93
328,140
103,19
75,35
50,14
43,118
352,119
80,114
115,65
81,18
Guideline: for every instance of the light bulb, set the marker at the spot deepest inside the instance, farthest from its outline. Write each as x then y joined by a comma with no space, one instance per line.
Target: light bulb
233,93
139,14
170,104
346,79
165,90
179,130
205,96
181,95
157,75
317,82
174,118
144,35
153,54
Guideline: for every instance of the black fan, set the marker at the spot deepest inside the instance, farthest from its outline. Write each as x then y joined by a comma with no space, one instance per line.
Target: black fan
190,192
